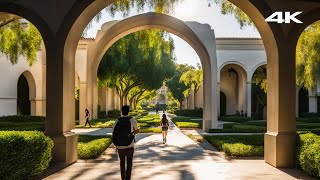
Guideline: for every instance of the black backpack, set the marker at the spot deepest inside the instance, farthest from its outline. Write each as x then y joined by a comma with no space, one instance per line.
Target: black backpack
122,133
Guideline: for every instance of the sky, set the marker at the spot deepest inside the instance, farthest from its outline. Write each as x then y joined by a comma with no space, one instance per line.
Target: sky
191,10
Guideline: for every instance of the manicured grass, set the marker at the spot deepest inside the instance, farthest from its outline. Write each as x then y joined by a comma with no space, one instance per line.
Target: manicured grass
90,147
239,146
99,123
150,130
185,122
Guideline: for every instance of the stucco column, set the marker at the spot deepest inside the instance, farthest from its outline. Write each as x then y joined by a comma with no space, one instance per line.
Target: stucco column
102,98
312,103
191,100
82,101
279,144
95,100
249,99
218,99
60,118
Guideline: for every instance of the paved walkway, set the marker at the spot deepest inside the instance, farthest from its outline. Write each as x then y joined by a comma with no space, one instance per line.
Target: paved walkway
180,159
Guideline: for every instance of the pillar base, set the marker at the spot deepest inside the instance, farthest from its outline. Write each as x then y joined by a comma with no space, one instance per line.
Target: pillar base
65,149
206,125
279,149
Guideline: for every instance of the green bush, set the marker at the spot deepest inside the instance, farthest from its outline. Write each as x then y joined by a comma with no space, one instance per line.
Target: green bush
189,112
23,154
220,131
309,120
229,125
237,119
134,114
309,153
102,114
248,129
185,122
235,145
307,125
256,123
90,147
150,130
309,115
114,114
22,119
242,150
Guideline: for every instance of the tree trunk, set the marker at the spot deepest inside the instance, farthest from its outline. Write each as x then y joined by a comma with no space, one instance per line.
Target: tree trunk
180,104
194,99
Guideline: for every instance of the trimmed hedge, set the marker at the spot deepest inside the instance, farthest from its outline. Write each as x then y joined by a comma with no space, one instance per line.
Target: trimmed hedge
233,145
220,131
309,153
90,147
114,114
229,125
24,154
256,123
309,120
22,119
185,122
248,129
102,114
189,112
150,130
237,119
309,115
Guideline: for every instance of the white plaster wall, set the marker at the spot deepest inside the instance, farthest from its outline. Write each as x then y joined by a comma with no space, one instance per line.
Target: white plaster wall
9,75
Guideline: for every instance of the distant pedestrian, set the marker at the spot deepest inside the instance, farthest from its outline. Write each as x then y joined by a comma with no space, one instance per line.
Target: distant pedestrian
87,117
124,131
164,125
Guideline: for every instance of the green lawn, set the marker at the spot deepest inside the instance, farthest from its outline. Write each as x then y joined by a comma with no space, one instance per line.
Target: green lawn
99,123
186,122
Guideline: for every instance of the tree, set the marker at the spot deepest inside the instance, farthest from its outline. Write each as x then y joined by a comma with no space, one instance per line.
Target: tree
308,57
193,79
260,78
227,8
139,62
177,88
18,38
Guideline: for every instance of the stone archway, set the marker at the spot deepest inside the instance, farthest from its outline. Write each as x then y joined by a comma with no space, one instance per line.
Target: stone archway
32,91
199,36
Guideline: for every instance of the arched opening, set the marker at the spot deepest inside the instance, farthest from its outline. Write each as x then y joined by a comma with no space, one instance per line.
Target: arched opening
23,100
202,43
258,93
303,100
233,78
223,104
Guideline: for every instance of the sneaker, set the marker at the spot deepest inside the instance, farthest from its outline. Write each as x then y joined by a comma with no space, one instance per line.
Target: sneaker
165,140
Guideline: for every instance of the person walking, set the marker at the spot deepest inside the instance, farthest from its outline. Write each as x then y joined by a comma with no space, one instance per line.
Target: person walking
87,117
123,138
164,125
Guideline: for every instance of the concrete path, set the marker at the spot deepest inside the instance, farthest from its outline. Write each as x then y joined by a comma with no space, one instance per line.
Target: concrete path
180,159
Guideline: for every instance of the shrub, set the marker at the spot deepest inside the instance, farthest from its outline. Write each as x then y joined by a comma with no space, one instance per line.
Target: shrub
99,123
237,119
150,130
309,120
24,154
189,112
234,145
257,116
240,150
220,131
134,114
309,115
309,153
256,123
102,114
308,125
229,125
114,114
22,119
185,122
248,129
90,147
